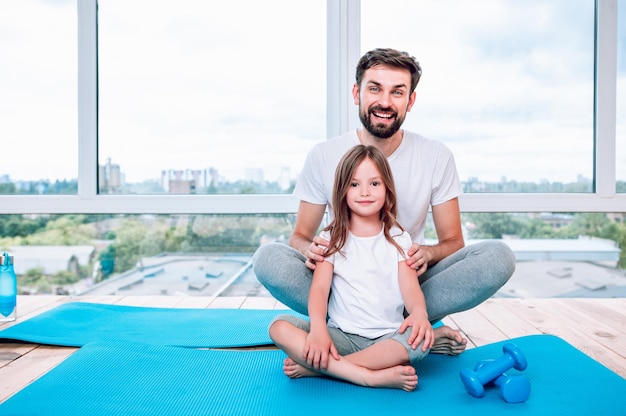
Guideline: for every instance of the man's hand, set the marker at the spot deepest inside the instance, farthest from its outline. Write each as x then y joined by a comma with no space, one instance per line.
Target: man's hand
315,252
419,256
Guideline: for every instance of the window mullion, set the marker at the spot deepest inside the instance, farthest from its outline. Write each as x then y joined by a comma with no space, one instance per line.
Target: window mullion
343,52
87,99
605,98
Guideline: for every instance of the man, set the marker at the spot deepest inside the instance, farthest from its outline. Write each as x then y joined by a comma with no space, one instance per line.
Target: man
453,277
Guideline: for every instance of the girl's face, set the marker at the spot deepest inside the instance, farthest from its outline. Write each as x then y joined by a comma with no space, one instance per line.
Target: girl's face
367,191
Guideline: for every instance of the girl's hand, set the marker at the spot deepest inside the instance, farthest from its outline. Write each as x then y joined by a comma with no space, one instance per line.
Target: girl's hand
316,350
421,329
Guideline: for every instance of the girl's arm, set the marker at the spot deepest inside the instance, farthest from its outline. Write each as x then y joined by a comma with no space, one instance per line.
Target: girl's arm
415,304
318,343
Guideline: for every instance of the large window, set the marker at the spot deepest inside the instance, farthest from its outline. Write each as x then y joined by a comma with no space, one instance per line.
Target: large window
222,103
195,99
38,111
119,109
507,85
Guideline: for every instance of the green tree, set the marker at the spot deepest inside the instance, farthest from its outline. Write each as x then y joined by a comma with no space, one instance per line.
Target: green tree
593,224
621,243
7,188
107,261
173,240
494,225
129,236
64,277
31,276
34,279
13,228
536,228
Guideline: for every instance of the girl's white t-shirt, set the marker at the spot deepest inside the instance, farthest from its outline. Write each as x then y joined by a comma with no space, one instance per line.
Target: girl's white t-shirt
365,296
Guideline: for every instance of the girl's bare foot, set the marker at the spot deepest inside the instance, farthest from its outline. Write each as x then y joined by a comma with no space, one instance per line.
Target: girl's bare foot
294,370
399,377
448,341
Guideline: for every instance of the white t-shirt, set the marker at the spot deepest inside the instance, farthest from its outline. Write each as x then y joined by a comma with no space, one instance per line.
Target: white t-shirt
365,295
424,172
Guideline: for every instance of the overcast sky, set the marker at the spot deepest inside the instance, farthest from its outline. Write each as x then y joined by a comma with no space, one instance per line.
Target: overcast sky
185,86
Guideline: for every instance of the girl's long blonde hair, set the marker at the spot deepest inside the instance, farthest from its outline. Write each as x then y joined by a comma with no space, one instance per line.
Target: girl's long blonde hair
340,224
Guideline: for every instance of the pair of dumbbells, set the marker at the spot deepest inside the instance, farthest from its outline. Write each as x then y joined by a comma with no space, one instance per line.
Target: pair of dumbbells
514,388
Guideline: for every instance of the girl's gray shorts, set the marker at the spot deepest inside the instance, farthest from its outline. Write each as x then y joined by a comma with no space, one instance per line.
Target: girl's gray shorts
348,343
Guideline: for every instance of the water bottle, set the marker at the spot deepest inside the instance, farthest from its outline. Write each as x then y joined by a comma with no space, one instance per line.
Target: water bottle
8,288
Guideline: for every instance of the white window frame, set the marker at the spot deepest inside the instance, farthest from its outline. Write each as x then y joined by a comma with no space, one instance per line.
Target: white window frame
343,50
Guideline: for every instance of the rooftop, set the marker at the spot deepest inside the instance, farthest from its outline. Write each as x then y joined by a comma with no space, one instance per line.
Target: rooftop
545,268
187,275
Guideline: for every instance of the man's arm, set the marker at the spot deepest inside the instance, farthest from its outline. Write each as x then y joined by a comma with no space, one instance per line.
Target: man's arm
308,221
447,219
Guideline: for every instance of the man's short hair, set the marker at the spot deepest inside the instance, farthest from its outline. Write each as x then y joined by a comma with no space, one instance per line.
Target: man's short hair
390,57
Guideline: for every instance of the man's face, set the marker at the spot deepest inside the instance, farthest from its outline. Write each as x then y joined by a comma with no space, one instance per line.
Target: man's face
384,99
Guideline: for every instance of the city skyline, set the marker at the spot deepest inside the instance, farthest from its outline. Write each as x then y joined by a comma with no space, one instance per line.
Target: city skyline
112,176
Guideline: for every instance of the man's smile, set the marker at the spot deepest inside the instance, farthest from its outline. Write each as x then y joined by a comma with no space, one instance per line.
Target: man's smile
383,115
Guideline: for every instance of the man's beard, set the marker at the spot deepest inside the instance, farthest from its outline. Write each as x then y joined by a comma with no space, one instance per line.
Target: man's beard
380,131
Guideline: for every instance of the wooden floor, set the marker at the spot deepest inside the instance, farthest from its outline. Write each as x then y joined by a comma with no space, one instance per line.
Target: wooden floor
596,327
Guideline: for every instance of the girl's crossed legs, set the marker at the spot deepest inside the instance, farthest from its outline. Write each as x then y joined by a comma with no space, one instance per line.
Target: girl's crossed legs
384,362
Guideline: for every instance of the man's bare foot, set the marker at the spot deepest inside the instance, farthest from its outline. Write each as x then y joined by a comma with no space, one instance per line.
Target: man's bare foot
294,370
448,341
399,377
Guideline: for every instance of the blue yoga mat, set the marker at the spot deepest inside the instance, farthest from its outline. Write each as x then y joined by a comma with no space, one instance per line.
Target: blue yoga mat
122,378
76,324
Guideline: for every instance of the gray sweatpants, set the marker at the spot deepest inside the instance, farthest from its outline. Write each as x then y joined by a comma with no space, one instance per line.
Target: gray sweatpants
457,283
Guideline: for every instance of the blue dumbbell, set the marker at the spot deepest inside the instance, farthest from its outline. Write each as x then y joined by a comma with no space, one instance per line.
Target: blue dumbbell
487,371
514,388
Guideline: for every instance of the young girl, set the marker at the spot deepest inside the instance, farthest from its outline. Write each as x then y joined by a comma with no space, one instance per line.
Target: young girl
363,287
